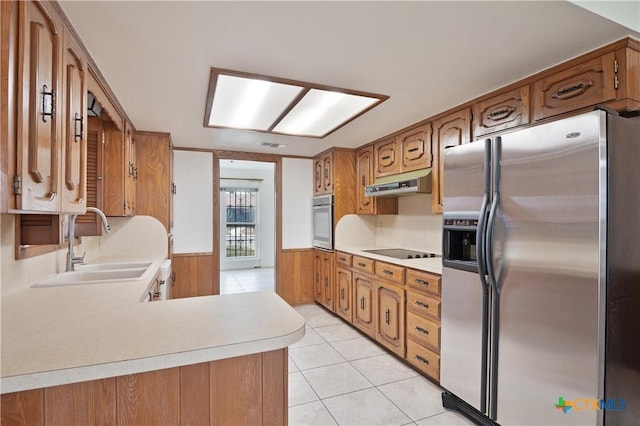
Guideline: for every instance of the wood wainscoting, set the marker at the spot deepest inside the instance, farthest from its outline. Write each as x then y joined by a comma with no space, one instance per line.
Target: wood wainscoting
295,276
250,390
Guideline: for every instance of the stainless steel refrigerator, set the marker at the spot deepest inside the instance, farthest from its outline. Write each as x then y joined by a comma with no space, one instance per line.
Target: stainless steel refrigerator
541,274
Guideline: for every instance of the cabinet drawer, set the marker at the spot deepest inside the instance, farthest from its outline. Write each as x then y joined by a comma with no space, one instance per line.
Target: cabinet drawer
363,264
343,259
389,272
424,305
423,281
583,85
423,331
423,359
501,112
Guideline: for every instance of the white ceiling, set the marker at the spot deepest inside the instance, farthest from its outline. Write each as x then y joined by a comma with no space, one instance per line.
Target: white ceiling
427,56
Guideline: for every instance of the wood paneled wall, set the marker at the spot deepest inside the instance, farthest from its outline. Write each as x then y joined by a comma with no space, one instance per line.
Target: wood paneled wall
295,276
250,390
194,275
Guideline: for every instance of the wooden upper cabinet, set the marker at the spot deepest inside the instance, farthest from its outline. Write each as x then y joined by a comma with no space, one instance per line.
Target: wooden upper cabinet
154,154
74,133
365,176
387,158
39,101
451,130
318,184
323,174
501,112
415,146
327,173
89,224
583,85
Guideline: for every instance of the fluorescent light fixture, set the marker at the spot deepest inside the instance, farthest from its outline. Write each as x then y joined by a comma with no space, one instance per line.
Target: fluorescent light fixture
255,102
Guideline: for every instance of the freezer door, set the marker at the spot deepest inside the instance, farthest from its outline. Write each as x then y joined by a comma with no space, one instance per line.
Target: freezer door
461,365
547,258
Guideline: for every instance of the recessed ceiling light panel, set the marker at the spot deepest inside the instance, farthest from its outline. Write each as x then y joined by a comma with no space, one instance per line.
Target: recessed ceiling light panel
320,111
255,102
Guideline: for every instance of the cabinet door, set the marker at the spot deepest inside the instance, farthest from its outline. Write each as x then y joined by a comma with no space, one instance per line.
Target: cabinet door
89,224
318,282
153,176
587,84
386,158
452,130
38,106
327,173
501,112
363,309
415,146
390,321
132,171
327,280
318,186
344,293
74,134
364,170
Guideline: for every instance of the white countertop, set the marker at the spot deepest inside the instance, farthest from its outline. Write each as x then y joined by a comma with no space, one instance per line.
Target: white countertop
433,264
58,335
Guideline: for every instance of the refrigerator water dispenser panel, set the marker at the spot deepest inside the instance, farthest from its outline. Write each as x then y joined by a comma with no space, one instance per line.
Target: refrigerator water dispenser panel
459,242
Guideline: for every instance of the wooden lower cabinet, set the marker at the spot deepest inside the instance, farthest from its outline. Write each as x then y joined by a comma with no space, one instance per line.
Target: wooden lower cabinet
323,272
193,275
344,293
249,389
390,321
363,304
423,359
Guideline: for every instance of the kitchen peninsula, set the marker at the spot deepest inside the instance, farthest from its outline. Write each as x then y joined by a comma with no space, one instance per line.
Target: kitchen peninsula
116,360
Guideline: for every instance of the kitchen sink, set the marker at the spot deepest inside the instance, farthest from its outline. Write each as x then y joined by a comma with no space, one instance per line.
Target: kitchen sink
81,277
112,266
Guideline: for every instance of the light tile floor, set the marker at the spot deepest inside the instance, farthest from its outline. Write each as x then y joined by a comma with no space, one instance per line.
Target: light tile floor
245,280
339,377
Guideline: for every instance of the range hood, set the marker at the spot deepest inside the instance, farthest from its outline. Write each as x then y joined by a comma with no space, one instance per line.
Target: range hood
416,182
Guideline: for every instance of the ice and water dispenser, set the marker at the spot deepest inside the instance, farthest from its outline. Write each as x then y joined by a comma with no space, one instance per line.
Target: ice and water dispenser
459,241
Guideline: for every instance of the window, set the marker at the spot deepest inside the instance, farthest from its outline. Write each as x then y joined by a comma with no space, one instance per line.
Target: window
240,216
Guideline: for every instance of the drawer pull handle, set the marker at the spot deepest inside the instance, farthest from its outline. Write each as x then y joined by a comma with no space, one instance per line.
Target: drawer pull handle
386,157
413,149
362,303
362,265
388,272
422,282
422,330
78,134
501,114
342,293
48,108
387,317
422,359
363,181
572,91
421,304
343,259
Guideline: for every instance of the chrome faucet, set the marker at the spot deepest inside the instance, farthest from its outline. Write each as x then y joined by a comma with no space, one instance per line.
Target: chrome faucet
72,260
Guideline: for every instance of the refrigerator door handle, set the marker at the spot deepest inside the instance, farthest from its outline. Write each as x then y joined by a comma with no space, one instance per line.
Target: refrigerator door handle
493,281
482,272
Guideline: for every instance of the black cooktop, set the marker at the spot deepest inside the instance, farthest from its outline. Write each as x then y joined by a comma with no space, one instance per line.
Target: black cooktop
402,253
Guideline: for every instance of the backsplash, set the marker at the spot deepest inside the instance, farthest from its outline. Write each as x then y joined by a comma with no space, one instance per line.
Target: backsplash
414,227
24,272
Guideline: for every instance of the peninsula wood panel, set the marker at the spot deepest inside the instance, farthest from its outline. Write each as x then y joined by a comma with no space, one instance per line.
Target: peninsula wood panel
86,403
250,390
151,398
194,395
22,408
295,276
243,405
193,275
